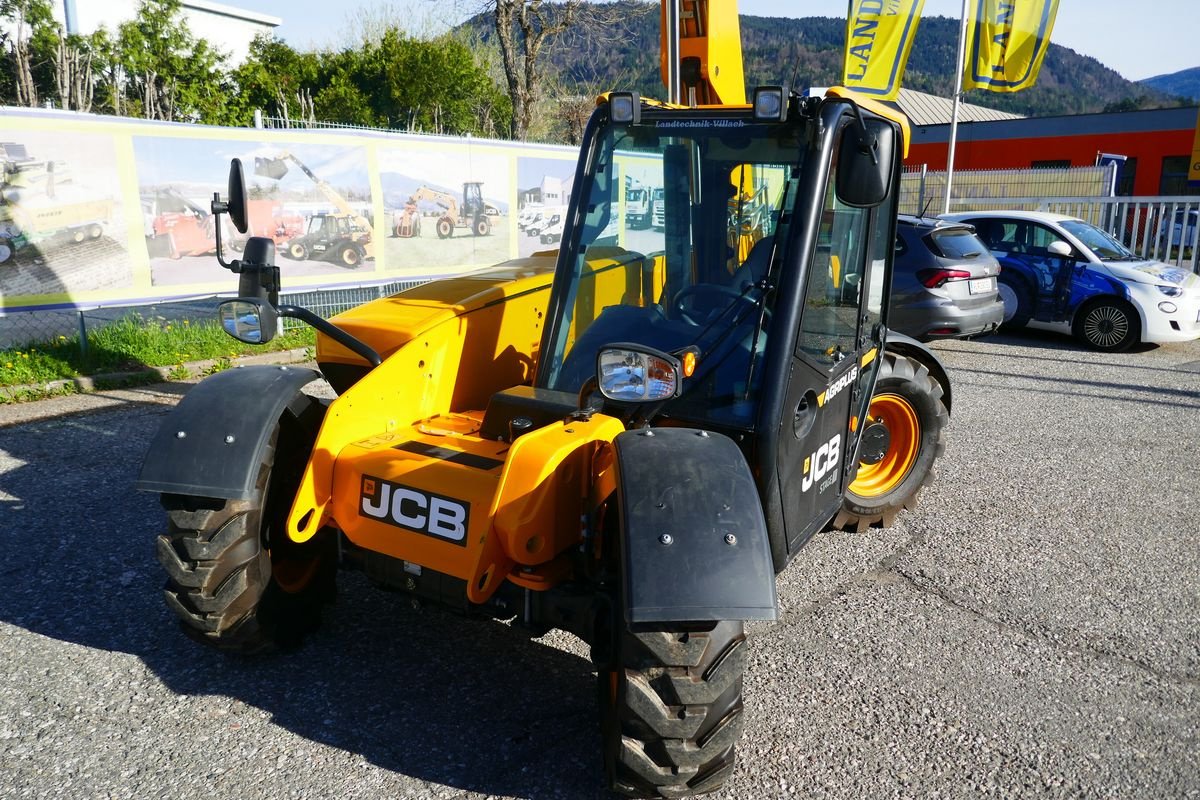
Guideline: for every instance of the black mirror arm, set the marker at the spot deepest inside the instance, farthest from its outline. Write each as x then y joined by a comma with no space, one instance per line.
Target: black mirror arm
219,207
868,143
332,331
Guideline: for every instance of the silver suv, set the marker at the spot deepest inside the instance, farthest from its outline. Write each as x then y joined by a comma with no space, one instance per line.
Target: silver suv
944,282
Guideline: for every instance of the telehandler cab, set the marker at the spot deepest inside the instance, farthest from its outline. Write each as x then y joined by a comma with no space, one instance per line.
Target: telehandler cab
626,439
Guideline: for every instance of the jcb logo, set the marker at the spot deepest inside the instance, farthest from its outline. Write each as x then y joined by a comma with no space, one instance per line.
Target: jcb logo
823,462
415,510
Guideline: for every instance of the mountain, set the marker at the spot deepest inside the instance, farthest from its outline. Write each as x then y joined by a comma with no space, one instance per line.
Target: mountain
1185,83
808,52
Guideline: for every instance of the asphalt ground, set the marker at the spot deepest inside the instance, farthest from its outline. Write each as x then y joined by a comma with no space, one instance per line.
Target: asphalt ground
1031,630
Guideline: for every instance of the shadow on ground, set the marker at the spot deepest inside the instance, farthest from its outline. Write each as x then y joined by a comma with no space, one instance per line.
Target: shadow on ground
466,703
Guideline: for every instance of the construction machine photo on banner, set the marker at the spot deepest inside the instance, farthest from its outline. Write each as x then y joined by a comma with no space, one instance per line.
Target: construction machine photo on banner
313,200
446,207
62,223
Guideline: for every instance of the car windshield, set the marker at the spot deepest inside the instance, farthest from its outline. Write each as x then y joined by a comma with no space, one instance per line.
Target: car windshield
1100,242
694,274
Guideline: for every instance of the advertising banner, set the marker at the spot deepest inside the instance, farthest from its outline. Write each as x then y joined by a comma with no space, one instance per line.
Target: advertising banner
1194,164
1006,43
101,211
879,37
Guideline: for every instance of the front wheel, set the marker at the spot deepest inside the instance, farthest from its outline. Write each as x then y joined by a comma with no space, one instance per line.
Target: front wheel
901,438
234,579
671,709
1108,325
297,251
445,228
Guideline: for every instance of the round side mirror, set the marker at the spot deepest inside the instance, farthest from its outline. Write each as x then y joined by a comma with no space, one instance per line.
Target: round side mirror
237,195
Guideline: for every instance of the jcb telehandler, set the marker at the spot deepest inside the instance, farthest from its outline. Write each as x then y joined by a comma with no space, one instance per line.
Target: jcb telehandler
625,440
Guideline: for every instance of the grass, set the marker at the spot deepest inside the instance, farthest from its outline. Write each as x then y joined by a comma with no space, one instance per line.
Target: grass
130,344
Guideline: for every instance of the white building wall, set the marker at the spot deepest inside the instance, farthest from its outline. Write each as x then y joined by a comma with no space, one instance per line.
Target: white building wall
227,28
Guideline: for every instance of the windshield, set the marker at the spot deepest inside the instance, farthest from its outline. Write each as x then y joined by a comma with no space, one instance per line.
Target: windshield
696,272
1098,241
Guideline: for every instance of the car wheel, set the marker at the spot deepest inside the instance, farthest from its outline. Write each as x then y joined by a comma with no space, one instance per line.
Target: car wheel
1108,325
1014,293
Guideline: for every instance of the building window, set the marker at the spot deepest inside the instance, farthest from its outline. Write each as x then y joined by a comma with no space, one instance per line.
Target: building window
1125,176
1174,177
1058,163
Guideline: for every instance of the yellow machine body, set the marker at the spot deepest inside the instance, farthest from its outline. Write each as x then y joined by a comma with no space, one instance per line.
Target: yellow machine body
399,465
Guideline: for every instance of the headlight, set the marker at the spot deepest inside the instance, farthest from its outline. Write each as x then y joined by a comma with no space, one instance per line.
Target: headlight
1169,291
635,374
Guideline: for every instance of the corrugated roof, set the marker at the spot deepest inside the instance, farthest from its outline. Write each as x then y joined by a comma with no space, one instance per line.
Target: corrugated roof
929,109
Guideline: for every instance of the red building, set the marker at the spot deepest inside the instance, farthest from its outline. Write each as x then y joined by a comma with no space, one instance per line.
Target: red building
1157,145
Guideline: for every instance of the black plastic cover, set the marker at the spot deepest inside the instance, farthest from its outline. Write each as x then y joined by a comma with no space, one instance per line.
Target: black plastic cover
694,540
211,444
540,406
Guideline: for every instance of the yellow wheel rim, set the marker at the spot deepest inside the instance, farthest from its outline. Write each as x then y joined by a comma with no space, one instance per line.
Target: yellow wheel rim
904,431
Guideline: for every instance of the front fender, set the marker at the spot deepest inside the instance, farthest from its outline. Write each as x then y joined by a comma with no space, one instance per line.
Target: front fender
211,444
907,346
693,537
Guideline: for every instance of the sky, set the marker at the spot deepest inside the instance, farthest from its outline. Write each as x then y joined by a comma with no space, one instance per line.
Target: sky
1137,39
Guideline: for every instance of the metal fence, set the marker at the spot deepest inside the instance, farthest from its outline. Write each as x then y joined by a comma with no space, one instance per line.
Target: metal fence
19,328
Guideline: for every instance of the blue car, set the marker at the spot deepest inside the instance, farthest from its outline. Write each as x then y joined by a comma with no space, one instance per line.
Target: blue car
1063,274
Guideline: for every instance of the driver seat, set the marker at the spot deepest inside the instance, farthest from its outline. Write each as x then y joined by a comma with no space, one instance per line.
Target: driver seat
756,265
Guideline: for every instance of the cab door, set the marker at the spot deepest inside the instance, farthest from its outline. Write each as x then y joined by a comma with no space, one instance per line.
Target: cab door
832,363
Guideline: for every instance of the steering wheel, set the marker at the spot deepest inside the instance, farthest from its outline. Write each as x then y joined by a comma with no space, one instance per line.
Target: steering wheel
720,293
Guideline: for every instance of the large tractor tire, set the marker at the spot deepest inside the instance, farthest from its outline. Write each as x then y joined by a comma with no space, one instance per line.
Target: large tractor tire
297,251
1109,325
234,579
902,437
350,255
671,709
482,226
445,227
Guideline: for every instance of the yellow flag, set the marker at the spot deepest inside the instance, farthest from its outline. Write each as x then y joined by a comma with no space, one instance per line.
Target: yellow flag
879,36
1006,42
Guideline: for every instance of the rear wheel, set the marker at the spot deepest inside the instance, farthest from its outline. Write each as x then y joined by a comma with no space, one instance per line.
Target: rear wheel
234,579
671,709
1108,325
902,437
350,255
1014,293
482,226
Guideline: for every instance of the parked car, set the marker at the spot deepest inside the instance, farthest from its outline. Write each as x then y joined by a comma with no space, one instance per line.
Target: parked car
1061,273
944,281
1180,232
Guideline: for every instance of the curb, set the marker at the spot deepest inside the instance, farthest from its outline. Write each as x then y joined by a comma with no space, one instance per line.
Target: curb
112,380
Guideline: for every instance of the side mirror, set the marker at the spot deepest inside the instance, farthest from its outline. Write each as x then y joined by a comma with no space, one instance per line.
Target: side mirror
237,195
1060,248
633,373
866,158
249,320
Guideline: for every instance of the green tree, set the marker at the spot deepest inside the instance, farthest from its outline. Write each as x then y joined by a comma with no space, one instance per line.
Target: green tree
174,75
29,21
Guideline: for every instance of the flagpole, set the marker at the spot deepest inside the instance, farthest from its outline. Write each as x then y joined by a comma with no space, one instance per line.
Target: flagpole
958,73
